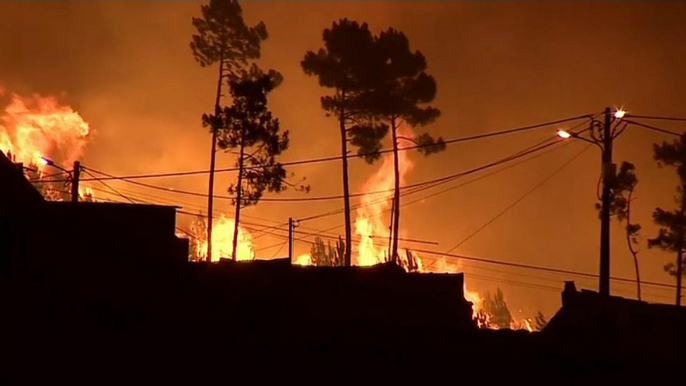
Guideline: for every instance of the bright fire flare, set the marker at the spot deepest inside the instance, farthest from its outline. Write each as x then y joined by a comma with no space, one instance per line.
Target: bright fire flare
222,240
86,194
35,126
304,259
375,212
38,126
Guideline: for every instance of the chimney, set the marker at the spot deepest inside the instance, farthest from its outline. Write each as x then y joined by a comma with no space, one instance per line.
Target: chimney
568,293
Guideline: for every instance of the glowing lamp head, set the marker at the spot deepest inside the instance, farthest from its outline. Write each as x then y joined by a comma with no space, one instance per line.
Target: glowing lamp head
44,161
563,134
619,114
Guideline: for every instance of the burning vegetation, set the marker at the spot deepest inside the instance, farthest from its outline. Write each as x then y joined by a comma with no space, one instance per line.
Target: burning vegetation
222,240
37,128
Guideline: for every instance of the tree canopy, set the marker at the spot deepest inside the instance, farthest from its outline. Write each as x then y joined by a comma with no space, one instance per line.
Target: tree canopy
224,37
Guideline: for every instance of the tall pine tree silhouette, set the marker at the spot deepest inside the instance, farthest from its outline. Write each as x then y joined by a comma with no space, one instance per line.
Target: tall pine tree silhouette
401,93
348,63
223,38
249,127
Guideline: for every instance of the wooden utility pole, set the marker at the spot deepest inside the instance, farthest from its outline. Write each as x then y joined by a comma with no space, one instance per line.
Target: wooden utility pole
608,169
76,173
290,239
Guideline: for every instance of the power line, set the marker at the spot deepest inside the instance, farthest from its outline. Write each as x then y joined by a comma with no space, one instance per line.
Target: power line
278,250
46,176
513,282
439,181
245,225
359,155
535,267
197,194
520,199
659,130
528,150
109,187
326,198
657,118
184,204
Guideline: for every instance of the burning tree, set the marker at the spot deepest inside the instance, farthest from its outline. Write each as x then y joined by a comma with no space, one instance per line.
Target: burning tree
623,186
223,38
249,127
348,64
672,223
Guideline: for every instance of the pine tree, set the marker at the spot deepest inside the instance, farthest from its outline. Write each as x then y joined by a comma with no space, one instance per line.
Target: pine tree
622,190
672,223
223,38
400,94
249,127
497,308
347,64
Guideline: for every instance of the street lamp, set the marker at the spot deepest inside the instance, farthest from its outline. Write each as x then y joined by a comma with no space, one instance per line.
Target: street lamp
602,136
48,162
564,134
73,175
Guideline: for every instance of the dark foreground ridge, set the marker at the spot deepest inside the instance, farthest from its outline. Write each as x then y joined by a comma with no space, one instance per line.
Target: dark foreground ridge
102,293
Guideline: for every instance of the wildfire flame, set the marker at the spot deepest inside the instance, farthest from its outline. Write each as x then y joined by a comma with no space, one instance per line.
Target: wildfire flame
35,126
38,126
304,259
222,240
374,213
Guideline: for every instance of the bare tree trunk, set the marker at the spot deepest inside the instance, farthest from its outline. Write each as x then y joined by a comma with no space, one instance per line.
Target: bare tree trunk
346,187
634,253
239,195
390,231
210,193
396,207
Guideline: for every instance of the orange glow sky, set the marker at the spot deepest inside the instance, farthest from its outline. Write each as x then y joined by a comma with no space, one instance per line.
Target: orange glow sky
127,68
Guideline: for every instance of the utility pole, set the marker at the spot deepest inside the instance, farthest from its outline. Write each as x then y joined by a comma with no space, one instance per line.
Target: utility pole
290,239
608,169
75,182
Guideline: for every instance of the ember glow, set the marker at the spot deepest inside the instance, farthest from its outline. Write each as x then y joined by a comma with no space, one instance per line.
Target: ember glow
222,240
